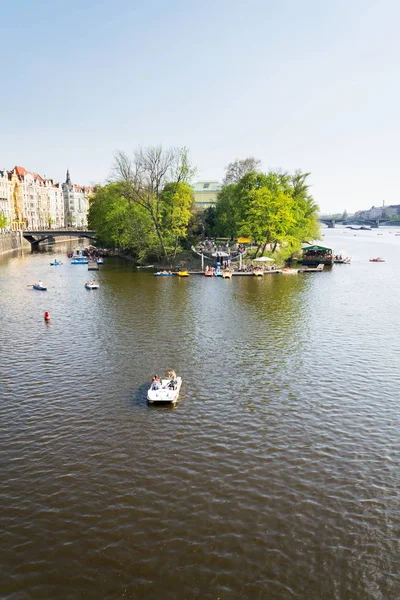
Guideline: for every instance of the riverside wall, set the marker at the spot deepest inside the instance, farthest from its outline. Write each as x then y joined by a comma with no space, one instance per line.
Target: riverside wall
13,241
16,241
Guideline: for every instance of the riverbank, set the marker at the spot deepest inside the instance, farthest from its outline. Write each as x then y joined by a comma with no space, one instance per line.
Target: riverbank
13,241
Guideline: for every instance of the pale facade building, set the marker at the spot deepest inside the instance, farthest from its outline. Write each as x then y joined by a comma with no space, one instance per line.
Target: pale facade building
206,193
5,201
30,201
76,203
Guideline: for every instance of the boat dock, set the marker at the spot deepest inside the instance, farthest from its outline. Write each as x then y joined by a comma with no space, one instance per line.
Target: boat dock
237,273
318,269
92,265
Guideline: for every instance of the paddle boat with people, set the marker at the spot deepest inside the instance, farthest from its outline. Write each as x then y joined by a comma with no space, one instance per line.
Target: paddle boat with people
163,274
92,285
341,260
164,390
39,286
377,259
55,263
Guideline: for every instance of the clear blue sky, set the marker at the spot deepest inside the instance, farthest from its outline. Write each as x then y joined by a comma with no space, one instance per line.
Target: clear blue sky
305,84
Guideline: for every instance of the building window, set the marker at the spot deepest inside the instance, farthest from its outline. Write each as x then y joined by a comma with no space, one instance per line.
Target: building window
206,185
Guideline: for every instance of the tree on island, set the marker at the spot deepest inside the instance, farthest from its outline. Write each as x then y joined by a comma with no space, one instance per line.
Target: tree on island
147,208
239,168
274,208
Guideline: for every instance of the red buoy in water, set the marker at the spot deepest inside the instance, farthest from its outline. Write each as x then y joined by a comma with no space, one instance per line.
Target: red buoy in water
47,316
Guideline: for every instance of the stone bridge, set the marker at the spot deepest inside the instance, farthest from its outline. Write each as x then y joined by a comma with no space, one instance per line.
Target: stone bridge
35,237
373,223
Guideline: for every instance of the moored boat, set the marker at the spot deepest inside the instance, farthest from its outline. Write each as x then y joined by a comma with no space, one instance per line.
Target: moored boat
163,274
167,390
78,258
183,274
227,274
289,271
100,261
258,272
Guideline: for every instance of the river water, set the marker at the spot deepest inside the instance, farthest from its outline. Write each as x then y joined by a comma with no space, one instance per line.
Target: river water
275,477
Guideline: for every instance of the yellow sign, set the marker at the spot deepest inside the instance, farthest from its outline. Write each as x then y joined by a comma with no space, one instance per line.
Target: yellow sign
244,240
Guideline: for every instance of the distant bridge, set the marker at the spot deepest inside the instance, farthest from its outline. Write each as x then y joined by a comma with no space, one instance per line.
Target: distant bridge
36,237
373,223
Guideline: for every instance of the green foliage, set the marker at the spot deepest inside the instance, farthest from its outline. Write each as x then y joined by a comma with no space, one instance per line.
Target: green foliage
270,208
176,204
120,223
117,223
3,220
156,182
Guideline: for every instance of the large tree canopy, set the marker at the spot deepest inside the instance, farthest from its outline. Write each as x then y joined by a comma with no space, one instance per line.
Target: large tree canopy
156,181
270,208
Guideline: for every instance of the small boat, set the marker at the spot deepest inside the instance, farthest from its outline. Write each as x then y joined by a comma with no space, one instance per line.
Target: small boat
209,273
39,286
342,260
92,285
56,263
164,392
258,272
378,259
218,272
100,261
289,271
227,275
163,274
183,274
78,258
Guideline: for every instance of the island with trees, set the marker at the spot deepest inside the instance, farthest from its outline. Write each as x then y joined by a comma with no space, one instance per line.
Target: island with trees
147,209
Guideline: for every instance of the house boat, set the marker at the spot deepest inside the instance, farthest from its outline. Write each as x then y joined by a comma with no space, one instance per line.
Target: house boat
314,254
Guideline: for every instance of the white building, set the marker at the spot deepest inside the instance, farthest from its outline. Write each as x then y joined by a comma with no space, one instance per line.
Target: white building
76,203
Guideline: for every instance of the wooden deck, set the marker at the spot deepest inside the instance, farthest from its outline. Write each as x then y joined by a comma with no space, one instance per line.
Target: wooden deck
236,273
93,266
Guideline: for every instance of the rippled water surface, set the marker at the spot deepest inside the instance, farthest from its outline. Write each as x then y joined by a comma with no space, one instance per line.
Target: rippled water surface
275,477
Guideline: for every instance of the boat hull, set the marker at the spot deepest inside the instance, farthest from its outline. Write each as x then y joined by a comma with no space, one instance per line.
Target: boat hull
41,288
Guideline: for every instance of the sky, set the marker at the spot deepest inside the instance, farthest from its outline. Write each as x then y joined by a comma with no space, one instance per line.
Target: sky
311,85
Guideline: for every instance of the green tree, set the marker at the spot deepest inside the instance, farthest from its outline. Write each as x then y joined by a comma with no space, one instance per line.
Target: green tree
239,168
176,205
143,180
117,223
3,220
273,208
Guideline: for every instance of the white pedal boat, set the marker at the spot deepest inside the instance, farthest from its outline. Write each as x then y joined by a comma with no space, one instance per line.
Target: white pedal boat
164,393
